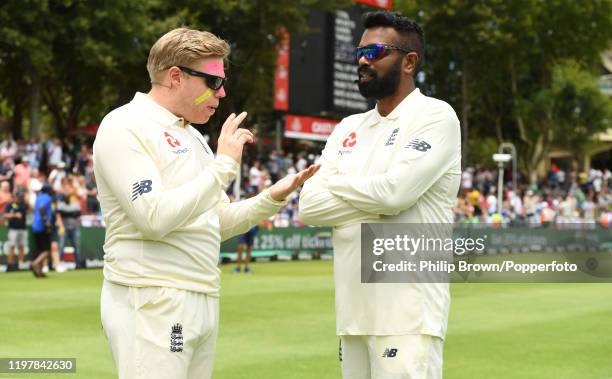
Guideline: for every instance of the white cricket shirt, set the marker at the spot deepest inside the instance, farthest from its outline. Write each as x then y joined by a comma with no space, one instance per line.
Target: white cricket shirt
161,191
404,167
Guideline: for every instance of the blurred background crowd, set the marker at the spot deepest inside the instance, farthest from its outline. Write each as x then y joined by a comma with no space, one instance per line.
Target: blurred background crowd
571,196
566,194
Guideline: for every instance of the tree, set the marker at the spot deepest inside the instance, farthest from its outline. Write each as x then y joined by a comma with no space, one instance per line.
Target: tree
98,51
252,29
497,62
580,110
25,40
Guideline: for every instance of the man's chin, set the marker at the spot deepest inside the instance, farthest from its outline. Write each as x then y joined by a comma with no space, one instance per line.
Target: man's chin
366,92
200,120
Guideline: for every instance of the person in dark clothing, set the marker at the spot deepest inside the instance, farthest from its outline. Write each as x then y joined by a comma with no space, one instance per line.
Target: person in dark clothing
16,212
70,211
41,226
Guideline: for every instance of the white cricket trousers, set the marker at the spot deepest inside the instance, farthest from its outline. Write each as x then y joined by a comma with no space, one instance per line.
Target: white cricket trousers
160,332
412,356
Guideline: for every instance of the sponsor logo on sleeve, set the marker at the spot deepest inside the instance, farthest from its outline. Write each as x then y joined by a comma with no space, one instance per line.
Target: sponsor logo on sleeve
141,187
418,145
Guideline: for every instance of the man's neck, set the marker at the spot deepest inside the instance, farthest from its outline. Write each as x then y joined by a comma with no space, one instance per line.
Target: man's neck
388,104
161,96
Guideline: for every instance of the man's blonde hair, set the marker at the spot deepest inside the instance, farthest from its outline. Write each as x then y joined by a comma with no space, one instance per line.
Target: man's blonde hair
182,47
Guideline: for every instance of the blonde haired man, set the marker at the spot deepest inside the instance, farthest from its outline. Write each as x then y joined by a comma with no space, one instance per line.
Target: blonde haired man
161,191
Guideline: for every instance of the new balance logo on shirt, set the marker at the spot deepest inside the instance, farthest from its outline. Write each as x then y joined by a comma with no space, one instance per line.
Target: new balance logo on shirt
390,353
419,145
141,187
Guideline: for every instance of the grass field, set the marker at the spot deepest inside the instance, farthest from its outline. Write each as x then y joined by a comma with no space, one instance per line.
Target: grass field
279,323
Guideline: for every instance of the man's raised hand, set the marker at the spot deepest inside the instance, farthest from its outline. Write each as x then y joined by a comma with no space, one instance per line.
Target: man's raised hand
232,138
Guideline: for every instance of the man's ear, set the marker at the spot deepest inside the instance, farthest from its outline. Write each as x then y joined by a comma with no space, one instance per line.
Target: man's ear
175,76
411,61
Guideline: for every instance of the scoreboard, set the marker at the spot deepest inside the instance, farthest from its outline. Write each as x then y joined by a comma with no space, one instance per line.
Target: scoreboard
322,65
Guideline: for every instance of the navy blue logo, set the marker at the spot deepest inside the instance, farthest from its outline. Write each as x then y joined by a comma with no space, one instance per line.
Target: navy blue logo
141,187
419,145
391,139
176,338
390,353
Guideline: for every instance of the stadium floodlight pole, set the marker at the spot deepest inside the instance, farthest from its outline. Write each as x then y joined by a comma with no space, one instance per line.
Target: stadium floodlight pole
500,159
510,146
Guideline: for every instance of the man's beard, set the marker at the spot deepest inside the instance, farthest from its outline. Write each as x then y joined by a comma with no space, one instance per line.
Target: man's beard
380,87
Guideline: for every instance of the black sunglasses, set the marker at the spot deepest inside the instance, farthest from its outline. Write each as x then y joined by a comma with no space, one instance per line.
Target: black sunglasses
377,50
213,82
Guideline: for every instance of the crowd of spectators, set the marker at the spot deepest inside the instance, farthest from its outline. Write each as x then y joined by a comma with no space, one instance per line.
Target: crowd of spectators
562,198
259,172
62,167
66,166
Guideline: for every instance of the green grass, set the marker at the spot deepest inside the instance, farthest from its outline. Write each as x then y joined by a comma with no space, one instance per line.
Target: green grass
279,323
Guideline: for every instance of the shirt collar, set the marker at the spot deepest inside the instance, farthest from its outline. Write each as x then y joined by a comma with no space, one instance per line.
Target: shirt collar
406,104
157,112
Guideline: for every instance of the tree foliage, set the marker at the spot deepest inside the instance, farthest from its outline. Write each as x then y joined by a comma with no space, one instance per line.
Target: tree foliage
85,58
514,69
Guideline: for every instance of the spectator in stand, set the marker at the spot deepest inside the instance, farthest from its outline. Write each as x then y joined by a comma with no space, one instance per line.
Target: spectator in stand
54,152
16,213
274,166
8,149
5,196
492,201
466,179
291,169
288,162
22,173
255,177
301,163
516,205
476,199
82,160
69,153
57,175
93,206
36,183
265,180
567,208
588,207
69,208
33,153
6,170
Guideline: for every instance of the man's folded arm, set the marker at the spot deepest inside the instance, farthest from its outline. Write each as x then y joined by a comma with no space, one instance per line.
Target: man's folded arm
318,206
129,170
418,166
